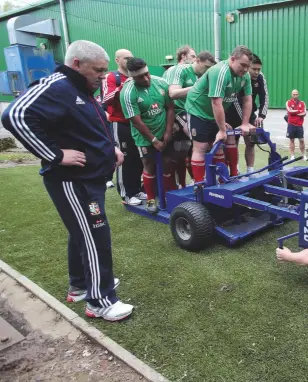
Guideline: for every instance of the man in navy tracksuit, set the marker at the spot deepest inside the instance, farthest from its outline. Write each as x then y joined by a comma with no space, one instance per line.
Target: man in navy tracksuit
58,120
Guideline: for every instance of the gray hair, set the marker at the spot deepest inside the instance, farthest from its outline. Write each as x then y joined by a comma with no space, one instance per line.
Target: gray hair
85,51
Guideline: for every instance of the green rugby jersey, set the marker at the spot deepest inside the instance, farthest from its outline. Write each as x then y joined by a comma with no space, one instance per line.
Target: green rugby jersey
150,103
218,82
185,77
169,72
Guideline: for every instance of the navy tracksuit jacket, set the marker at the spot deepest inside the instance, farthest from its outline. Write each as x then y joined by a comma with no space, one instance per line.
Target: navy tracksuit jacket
58,112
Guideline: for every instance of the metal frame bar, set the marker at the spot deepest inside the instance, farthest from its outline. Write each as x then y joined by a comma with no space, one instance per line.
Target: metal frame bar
282,191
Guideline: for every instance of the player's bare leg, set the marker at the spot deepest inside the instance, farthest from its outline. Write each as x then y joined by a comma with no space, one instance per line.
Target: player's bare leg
249,154
168,178
302,148
292,148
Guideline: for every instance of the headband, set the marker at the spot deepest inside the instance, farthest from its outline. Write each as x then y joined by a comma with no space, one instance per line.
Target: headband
135,73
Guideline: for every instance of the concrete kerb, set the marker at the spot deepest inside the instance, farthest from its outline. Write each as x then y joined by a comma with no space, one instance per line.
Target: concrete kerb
118,351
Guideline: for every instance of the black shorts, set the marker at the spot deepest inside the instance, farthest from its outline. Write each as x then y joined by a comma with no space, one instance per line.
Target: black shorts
295,132
202,130
150,151
234,120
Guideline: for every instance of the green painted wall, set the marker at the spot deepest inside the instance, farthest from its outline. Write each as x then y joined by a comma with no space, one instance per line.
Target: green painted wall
278,35
152,30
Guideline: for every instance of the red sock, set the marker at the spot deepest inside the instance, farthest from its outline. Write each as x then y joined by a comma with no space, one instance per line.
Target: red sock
149,183
188,167
231,152
169,182
181,171
219,158
198,170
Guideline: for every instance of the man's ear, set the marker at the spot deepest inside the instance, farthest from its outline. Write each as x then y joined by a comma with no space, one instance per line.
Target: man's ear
76,64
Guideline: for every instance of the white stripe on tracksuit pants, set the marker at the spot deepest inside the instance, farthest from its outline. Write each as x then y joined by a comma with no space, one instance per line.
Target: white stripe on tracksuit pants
81,207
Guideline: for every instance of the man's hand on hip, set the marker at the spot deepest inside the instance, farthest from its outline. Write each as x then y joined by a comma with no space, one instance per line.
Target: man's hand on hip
73,158
119,156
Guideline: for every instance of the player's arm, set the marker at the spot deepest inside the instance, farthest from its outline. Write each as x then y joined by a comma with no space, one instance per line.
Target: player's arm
303,113
247,109
142,127
146,132
169,111
176,83
247,100
220,118
219,113
218,80
246,127
177,92
170,121
289,110
110,89
131,111
263,98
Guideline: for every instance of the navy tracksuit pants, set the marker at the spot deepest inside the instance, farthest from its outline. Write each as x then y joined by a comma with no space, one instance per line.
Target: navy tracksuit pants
129,173
81,206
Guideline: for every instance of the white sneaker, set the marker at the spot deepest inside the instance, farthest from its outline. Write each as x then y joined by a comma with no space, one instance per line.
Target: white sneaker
115,312
292,157
304,157
75,294
133,201
141,196
254,176
109,184
116,282
244,179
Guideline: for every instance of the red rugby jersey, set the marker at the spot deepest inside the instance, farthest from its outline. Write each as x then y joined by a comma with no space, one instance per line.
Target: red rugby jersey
293,117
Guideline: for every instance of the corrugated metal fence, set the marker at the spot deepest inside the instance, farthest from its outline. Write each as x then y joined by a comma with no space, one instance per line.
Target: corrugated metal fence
152,30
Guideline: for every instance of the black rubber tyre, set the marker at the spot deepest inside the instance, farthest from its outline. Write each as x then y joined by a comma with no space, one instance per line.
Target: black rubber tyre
192,226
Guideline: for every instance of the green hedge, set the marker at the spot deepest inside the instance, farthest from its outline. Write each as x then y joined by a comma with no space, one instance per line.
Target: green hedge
7,143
